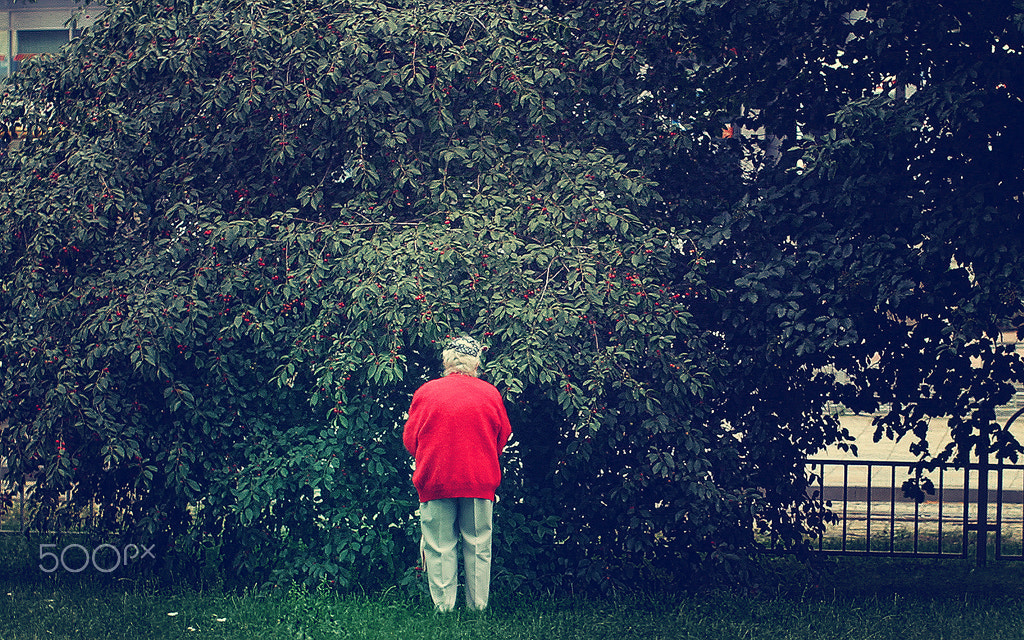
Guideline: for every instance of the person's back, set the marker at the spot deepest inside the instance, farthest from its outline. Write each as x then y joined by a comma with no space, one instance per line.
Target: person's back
457,428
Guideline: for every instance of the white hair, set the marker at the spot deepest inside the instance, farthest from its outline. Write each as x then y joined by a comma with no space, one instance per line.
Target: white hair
456,361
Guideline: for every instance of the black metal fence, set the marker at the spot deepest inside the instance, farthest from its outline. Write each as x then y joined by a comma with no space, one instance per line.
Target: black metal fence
979,506
981,501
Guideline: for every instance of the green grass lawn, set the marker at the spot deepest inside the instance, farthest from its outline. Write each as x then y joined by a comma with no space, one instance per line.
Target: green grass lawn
846,599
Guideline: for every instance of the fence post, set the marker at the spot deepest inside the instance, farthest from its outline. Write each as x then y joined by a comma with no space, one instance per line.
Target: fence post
982,537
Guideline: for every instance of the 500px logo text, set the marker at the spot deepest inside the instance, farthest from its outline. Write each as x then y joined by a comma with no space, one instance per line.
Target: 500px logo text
105,558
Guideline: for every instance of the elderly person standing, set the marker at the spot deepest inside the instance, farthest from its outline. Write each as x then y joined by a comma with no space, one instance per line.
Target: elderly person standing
457,428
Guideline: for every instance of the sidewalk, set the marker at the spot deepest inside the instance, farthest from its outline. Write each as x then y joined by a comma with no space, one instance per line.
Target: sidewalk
861,428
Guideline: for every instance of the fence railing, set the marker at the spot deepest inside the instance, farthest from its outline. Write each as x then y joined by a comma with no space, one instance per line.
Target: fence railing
983,498
978,505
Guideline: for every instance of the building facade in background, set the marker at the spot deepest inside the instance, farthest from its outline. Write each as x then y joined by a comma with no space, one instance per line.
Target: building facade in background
43,26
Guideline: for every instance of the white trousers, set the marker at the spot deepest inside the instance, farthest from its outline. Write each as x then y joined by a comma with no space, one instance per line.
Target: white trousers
443,523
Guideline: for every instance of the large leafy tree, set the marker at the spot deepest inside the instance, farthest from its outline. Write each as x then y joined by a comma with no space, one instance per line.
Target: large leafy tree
682,228
251,225
871,244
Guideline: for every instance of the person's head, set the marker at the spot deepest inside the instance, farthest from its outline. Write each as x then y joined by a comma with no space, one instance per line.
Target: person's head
462,355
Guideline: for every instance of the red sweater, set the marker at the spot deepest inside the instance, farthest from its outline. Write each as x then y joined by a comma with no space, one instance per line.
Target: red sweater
456,430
